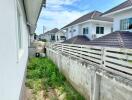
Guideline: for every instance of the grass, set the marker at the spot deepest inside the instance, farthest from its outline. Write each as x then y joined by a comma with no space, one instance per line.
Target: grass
42,74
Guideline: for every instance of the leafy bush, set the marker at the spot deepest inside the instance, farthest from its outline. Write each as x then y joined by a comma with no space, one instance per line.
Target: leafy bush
43,40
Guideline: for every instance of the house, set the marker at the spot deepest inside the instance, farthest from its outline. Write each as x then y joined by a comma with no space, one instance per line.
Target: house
122,26
49,35
91,25
60,36
122,15
18,20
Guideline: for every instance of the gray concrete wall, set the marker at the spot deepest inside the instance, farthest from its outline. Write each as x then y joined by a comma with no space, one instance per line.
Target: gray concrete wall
92,82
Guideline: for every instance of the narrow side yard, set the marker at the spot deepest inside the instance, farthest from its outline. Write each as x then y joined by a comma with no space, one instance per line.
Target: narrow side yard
44,82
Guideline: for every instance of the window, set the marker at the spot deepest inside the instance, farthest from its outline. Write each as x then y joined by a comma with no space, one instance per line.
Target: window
74,30
85,30
57,38
111,29
19,32
99,30
62,37
126,24
52,37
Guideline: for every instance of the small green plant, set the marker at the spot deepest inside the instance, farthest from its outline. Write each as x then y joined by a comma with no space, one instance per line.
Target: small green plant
42,74
43,40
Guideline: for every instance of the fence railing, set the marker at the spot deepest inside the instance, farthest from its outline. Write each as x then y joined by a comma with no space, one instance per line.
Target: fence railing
109,58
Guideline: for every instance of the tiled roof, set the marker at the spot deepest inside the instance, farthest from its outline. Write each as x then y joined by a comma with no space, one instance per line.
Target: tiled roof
80,39
121,39
119,7
55,30
96,15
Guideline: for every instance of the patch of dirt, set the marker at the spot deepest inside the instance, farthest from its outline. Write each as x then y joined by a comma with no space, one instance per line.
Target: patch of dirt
29,94
51,94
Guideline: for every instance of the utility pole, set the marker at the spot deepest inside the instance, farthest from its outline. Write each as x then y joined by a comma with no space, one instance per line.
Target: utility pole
44,29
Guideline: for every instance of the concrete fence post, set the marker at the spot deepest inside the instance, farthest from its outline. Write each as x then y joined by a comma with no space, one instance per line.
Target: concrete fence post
61,47
96,92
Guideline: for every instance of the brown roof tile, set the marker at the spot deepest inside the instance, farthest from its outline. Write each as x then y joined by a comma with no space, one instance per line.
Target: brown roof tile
121,39
80,39
96,15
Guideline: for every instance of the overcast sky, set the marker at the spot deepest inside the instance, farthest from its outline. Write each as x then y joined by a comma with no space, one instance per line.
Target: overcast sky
59,13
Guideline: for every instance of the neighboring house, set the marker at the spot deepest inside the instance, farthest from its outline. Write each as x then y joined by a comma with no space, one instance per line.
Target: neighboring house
60,36
49,35
41,37
91,25
122,15
18,19
122,35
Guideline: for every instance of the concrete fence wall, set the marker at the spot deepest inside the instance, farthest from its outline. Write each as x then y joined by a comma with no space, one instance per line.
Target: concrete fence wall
92,82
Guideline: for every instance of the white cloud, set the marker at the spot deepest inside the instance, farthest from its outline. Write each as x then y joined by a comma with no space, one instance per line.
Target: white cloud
56,15
61,2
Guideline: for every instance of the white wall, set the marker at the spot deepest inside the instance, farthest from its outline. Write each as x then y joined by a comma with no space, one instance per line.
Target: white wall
47,37
92,29
71,33
107,29
12,67
59,34
119,16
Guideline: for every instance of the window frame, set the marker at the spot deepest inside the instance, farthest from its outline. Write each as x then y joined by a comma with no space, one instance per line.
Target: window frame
19,30
126,23
99,30
85,30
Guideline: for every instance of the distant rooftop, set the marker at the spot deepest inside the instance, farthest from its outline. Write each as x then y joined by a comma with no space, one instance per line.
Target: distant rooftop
120,39
55,30
95,15
123,5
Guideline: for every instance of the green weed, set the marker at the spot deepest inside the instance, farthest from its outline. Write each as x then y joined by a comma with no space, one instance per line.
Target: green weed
42,73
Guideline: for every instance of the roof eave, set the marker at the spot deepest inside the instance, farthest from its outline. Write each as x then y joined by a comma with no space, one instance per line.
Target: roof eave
91,20
32,21
116,12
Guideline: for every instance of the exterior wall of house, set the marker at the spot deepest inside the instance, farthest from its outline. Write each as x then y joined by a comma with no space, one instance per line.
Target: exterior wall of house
72,31
119,16
107,29
92,29
59,34
47,37
12,60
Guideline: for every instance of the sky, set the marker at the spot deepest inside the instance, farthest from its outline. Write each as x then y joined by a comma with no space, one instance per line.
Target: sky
59,13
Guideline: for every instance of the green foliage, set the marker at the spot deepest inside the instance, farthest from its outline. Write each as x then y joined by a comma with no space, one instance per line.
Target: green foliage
42,73
34,33
44,40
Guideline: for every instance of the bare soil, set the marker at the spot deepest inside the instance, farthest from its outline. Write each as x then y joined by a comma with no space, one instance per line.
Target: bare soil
51,94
